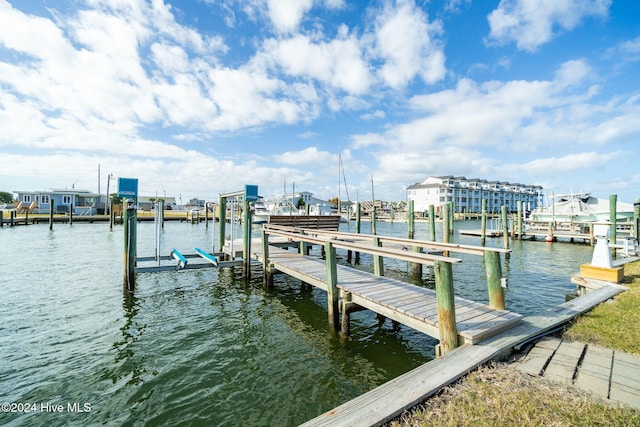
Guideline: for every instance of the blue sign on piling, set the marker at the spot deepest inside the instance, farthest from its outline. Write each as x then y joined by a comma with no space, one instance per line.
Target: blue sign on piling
251,193
128,187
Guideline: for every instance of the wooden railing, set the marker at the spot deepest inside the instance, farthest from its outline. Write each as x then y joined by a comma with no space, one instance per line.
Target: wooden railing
400,250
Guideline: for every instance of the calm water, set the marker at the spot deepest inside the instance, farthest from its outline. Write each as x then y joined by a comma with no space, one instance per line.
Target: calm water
206,347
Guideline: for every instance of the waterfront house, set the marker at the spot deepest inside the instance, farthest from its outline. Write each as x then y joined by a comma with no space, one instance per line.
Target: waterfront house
467,194
83,202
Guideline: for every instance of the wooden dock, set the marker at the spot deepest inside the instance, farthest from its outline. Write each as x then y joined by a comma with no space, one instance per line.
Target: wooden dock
408,304
390,399
411,305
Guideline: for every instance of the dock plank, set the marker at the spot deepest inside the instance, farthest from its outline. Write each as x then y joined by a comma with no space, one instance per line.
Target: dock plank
412,305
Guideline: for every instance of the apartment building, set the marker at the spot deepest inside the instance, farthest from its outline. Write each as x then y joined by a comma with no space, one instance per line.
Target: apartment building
467,194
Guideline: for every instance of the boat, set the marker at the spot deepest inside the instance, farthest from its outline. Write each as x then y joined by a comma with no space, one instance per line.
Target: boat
260,211
581,207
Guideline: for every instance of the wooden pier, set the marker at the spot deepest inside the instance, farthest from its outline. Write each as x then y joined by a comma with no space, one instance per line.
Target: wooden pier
438,313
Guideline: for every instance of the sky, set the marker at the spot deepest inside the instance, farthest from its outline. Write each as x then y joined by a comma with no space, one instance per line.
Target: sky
200,97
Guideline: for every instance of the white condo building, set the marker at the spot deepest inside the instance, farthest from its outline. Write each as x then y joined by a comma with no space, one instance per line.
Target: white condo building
467,194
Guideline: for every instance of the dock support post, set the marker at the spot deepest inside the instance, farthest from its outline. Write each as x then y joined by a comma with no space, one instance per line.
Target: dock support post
416,267
222,203
519,219
332,286
451,217
12,215
494,279
613,215
246,240
483,223
111,214
130,224
444,213
345,324
505,227
373,218
51,214
446,306
71,214
358,223
410,220
432,222
266,267
636,218
378,265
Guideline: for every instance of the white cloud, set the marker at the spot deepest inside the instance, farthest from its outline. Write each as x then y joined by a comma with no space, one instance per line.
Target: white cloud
338,63
310,155
531,24
405,41
287,14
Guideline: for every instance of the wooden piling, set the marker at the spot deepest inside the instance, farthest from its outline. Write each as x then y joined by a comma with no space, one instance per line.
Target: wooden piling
71,214
432,222
222,205
505,227
11,218
345,321
266,267
51,214
129,222
519,219
483,223
357,230
246,240
613,215
444,214
378,266
636,217
332,286
451,217
446,306
494,279
416,267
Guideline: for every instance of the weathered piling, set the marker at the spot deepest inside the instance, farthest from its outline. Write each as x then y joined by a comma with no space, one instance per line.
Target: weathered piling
416,267
613,215
332,287
129,221
444,214
446,307
432,222
451,217
246,240
358,224
483,223
505,227
267,270
222,203
378,265
519,219
636,217
494,279
71,214
51,214
11,218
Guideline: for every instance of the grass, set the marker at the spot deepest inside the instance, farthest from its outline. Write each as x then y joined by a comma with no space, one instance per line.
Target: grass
615,324
498,394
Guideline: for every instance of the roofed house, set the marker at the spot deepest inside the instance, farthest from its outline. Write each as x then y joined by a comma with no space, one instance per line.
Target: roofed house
83,202
467,194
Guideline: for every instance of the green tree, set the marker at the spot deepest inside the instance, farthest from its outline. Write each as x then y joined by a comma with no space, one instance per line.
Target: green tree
6,197
300,203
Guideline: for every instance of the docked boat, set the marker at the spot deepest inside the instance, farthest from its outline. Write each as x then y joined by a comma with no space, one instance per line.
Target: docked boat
260,212
581,207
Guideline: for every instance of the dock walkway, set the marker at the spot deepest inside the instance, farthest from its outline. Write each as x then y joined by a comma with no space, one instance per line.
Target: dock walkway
611,374
409,304
388,400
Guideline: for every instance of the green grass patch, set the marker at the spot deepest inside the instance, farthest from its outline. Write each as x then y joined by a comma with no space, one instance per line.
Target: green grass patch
500,395
616,323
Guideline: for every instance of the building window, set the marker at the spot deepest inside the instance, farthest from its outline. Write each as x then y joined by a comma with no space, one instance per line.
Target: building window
26,198
66,200
45,198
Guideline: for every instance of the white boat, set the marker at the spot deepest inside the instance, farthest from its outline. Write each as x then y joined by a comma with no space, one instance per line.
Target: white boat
260,212
581,207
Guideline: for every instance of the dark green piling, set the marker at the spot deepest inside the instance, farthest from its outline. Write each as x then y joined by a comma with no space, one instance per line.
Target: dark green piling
129,222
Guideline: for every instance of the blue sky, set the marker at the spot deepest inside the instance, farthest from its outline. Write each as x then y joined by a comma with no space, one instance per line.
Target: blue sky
195,98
